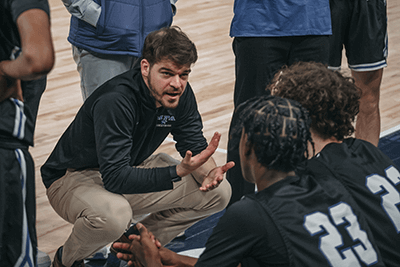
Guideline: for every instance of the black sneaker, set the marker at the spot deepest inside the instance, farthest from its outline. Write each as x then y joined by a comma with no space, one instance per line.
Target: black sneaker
58,263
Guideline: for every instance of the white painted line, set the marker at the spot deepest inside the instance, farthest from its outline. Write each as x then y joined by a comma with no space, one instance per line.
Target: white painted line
390,131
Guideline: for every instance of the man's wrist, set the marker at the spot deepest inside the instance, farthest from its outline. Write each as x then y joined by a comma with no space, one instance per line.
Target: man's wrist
174,175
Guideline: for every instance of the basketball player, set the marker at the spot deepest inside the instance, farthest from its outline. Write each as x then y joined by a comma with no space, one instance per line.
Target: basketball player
369,175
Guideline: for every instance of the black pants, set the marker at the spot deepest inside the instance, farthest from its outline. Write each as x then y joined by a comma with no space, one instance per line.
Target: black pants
18,242
257,60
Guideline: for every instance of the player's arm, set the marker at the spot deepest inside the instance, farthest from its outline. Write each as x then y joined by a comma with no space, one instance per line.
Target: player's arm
37,57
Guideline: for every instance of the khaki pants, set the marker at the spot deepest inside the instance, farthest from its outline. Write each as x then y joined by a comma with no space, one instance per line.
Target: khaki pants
100,217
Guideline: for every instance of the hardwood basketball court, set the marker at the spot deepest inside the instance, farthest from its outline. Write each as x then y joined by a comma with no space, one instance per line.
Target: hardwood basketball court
207,24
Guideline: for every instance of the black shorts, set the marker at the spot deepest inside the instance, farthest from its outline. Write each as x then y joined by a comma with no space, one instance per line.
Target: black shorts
18,242
361,27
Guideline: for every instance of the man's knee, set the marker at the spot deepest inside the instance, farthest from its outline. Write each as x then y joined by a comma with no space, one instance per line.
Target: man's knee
221,196
112,221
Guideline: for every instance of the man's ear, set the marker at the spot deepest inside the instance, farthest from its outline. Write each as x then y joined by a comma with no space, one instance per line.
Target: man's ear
145,67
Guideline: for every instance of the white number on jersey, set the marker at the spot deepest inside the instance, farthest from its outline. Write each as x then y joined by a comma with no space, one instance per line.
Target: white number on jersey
379,184
331,241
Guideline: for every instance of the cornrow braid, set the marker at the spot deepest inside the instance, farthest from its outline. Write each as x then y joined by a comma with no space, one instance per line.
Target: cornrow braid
277,129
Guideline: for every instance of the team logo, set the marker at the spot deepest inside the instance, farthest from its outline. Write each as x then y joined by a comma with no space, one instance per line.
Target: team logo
165,120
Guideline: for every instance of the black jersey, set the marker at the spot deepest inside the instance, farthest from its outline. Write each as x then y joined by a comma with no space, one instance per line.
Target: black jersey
17,120
374,182
294,222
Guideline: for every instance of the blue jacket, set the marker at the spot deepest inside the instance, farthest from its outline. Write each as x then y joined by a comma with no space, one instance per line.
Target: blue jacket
274,18
116,26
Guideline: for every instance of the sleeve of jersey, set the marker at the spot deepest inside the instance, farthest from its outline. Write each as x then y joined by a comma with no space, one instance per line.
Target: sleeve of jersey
114,119
20,6
188,131
239,234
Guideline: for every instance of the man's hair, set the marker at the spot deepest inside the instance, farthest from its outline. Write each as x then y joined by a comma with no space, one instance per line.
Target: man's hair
169,43
277,129
331,99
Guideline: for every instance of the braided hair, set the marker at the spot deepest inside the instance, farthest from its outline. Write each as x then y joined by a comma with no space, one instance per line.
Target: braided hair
277,129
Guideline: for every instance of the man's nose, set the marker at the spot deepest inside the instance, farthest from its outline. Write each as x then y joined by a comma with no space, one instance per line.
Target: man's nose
175,81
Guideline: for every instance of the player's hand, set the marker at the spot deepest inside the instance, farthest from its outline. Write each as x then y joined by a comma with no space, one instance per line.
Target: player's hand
215,177
10,88
189,163
144,249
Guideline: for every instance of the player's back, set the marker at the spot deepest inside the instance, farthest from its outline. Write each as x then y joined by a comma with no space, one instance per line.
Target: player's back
374,183
319,223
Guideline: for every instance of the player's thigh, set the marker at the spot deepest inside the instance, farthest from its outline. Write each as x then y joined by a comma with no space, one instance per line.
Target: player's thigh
340,15
257,59
366,42
17,201
309,48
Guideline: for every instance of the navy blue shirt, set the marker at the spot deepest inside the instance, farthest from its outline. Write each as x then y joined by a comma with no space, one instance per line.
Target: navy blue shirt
275,18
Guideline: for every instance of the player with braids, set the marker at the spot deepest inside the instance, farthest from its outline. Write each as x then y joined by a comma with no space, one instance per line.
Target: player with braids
369,175
276,226
277,130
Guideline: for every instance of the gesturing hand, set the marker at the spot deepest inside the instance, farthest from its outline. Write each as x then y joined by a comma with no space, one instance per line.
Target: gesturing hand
189,163
215,177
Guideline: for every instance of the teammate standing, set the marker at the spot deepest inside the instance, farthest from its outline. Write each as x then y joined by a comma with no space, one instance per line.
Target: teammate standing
361,28
26,56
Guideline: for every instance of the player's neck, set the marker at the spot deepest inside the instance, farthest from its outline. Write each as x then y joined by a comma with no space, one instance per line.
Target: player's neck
320,143
269,177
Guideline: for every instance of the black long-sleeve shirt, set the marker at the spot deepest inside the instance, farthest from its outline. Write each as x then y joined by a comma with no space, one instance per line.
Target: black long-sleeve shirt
117,128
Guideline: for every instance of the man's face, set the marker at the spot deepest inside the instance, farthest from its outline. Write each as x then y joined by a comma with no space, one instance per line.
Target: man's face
166,81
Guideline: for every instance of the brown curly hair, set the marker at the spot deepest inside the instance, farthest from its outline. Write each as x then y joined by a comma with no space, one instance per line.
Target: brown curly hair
331,99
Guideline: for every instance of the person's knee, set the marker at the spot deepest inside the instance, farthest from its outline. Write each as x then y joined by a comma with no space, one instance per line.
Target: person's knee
112,221
221,196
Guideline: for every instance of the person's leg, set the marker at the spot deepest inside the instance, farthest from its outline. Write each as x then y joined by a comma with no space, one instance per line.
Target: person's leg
99,216
313,48
256,61
368,123
18,242
366,51
173,211
95,69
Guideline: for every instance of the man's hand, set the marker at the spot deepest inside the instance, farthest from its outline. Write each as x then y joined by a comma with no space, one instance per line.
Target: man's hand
215,177
190,164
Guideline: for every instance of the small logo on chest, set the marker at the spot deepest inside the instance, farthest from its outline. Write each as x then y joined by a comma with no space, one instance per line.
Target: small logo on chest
165,120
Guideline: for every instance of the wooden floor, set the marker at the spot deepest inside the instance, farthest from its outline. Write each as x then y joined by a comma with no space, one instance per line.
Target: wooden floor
207,24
